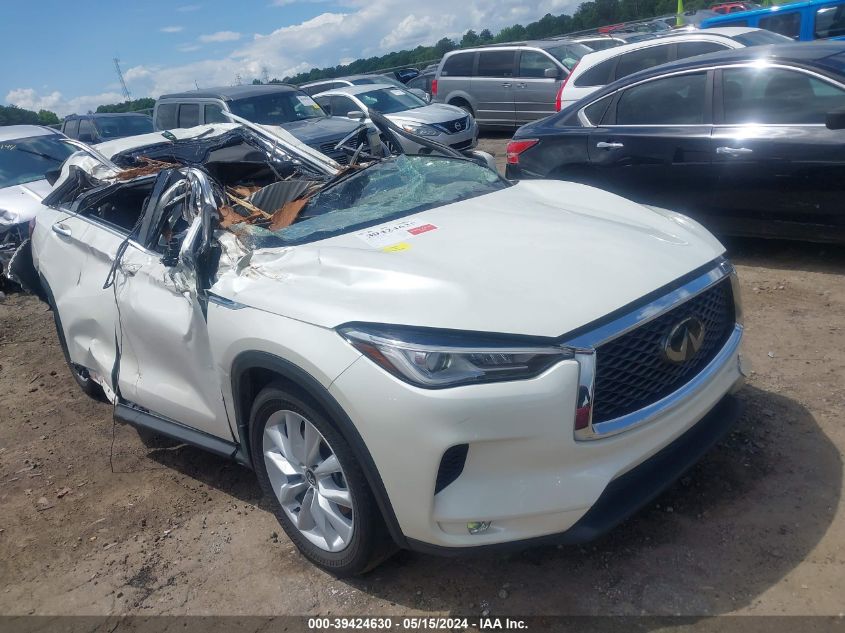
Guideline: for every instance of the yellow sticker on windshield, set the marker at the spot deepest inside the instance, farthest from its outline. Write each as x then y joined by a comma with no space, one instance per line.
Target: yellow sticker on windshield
401,246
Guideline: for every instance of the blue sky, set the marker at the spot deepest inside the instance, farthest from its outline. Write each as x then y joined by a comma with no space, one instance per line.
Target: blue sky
63,51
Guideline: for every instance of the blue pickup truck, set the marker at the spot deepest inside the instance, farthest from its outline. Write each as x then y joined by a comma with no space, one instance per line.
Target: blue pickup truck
802,21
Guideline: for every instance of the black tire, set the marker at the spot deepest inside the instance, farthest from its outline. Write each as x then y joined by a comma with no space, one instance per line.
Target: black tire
79,373
370,543
463,105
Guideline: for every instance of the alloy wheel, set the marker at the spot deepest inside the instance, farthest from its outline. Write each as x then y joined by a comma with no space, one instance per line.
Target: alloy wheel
308,480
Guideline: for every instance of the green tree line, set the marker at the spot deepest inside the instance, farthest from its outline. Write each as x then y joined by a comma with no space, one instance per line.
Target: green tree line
589,15
13,115
128,106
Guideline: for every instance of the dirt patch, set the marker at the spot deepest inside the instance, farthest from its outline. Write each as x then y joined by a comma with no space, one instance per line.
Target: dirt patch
98,520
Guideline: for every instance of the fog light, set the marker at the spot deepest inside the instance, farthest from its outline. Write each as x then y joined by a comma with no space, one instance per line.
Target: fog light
478,527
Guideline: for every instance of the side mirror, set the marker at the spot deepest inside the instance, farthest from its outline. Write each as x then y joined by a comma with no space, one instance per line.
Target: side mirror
356,114
422,94
835,120
551,73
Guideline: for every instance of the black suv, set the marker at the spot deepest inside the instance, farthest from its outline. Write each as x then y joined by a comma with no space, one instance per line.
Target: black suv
96,128
274,104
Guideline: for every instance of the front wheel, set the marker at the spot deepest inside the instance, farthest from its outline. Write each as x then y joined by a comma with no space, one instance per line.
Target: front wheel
320,494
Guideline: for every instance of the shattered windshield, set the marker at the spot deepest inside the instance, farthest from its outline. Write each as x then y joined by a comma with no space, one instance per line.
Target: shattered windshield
28,159
384,191
277,108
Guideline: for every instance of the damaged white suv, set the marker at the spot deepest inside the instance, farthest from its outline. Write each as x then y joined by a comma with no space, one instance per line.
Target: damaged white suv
409,352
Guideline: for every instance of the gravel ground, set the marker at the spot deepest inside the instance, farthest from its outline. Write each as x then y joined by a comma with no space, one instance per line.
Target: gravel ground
97,520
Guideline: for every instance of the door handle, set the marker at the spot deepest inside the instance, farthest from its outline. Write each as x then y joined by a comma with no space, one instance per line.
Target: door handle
603,145
520,85
62,229
734,151
506,85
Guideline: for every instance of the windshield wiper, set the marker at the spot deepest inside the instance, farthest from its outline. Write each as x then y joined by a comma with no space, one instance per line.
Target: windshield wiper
41,154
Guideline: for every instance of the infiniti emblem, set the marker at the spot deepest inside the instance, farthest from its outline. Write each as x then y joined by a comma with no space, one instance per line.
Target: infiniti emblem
310,478
683,340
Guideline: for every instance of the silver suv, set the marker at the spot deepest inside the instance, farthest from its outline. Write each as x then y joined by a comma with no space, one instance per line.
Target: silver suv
506,85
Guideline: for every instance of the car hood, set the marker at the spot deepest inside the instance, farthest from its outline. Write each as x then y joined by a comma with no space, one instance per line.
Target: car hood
20,203
318,131
434,113
517,260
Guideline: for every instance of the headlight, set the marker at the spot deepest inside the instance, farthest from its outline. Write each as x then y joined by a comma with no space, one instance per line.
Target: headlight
420,129
443,358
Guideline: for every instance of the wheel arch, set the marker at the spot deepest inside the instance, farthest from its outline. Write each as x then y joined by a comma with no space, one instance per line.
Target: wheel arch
254,370
458,96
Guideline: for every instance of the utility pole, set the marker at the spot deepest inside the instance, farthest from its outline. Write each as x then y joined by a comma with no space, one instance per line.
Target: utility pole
126,94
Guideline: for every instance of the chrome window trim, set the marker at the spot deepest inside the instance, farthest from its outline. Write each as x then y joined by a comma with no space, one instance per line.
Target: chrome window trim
585,346
752,64
582,118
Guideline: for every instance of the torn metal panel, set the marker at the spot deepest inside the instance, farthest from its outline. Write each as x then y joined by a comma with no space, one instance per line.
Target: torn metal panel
21,271
88,312
166,364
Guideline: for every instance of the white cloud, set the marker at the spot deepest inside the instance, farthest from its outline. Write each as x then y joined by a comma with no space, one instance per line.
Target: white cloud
28,98
220,36
187,8
364,29
188,48
172,29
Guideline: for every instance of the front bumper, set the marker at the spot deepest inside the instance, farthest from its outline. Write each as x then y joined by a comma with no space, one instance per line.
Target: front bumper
629,492
11,237
464,140
525,472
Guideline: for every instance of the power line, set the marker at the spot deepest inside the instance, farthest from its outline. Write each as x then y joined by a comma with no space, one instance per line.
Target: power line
126,94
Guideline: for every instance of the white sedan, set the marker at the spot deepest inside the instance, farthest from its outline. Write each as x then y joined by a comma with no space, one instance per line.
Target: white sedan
27,153
414,352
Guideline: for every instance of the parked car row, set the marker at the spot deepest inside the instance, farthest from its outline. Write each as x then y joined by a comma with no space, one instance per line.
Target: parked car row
603,67
748,141
510,85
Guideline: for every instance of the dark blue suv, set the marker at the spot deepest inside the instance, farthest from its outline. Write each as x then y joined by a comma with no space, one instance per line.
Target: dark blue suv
273,104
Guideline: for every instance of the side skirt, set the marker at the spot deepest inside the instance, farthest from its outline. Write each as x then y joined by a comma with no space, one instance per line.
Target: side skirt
141,418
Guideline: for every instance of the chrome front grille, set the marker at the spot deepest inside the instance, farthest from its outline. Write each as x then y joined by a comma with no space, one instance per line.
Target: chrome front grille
454,126
329,150
632,371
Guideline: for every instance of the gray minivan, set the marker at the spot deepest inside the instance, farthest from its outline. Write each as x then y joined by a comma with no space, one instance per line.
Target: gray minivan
506,85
